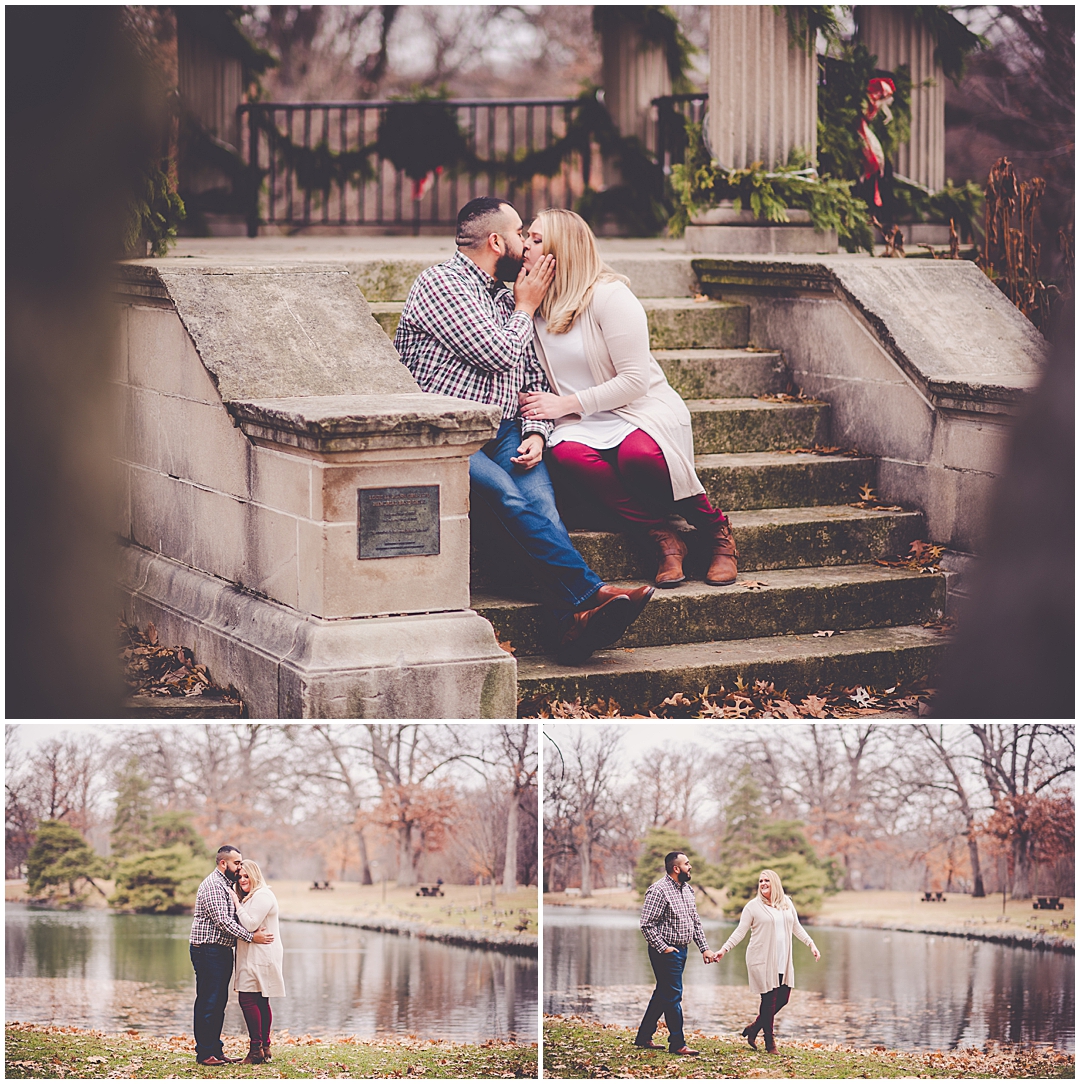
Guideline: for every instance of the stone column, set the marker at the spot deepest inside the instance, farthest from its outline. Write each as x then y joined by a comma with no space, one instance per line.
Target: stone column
762,88
633,72
895,38
762,106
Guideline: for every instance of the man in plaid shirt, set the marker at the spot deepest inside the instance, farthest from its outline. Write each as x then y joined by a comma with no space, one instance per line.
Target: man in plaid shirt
463,333
214,931
669,921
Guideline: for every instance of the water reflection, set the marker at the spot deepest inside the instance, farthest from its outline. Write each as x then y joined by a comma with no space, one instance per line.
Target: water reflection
904,990
340,980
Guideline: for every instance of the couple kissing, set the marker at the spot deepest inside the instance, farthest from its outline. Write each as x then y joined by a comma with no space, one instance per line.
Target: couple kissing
565,356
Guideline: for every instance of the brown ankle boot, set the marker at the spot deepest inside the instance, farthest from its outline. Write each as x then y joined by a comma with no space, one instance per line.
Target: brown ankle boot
722,568
265,1051
672,551
254,1056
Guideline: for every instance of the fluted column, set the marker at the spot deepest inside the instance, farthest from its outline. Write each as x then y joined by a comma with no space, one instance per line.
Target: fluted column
895,38
762,88
633,73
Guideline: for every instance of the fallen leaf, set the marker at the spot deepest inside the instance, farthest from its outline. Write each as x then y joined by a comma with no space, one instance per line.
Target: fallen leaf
813,706
754,585
825,632
507,646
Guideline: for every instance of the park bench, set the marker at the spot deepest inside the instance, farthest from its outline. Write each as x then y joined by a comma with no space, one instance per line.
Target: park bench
1048,903
321,886
933,897
429,890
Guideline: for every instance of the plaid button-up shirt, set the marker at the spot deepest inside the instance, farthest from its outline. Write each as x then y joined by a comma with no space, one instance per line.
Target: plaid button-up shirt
459,335
215,916
669,916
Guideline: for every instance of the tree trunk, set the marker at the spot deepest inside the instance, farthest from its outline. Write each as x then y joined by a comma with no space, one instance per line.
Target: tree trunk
365,867
509,883
585,856
406,874
977,891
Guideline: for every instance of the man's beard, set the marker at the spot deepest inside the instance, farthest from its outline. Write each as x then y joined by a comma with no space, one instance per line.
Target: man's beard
507,267
233,875
684,877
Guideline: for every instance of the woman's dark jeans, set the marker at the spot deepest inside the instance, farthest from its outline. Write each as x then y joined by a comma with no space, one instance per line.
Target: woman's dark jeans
213,969
772,1001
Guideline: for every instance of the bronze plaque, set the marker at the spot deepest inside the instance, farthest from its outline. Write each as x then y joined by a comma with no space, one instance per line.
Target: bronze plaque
399,521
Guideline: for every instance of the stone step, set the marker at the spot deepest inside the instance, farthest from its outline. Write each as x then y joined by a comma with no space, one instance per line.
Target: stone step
387,314
783,479
675,323
701,374
792,601
768,538
755,425
681,323
640,678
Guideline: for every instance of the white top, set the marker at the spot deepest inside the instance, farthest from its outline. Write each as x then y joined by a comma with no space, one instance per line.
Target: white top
783,941
566,356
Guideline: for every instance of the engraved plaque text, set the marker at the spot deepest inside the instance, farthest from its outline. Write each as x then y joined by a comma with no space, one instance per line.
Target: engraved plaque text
399,521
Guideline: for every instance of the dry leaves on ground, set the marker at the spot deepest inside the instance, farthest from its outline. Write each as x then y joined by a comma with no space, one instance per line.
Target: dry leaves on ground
819,449
921,557
761,700
152,669
869,500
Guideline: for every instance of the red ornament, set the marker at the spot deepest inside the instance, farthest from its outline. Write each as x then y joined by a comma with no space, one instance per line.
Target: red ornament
879,96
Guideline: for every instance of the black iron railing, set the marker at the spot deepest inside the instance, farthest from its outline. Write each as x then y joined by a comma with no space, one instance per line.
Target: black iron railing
673,112
322,165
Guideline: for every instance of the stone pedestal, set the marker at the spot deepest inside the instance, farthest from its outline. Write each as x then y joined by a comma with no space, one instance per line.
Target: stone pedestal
895,37
725,230
258,404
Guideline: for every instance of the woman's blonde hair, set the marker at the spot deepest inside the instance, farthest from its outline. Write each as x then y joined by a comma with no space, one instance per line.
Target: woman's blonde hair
776,890
254,875
578,267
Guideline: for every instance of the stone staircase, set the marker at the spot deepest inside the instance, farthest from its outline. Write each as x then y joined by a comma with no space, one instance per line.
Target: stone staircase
806,560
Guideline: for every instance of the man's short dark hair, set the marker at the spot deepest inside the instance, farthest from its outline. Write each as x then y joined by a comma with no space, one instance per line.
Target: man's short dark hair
476,220
671,858
226,849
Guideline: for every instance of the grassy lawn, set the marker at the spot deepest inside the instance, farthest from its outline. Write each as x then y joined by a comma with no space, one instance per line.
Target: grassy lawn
34,1051
576,1048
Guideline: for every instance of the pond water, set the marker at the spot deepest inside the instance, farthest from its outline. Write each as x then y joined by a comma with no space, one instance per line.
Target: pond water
906,991
100,970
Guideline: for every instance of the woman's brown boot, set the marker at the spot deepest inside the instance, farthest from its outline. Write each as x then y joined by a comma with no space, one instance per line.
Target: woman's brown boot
672,551
254,1056
265,1051
722,568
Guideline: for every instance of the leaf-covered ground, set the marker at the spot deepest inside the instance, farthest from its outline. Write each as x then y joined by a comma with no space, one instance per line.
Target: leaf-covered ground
577,1048
62,1053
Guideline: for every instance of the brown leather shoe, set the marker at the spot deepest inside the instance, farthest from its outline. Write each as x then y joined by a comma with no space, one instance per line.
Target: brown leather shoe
672,551
686,1052
594,629
650,1045
638,596
215,1061
723,568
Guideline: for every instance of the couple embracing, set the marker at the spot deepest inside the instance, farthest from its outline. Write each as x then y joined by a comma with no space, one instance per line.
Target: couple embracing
565,355
247,920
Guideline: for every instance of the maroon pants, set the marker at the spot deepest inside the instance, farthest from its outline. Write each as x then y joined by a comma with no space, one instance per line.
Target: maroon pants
632,480
257,1015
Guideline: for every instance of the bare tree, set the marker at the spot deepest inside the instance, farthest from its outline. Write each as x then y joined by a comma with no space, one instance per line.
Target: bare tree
519,753
1021,763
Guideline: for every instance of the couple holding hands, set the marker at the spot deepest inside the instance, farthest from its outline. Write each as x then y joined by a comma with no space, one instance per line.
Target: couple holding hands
565,355
669,921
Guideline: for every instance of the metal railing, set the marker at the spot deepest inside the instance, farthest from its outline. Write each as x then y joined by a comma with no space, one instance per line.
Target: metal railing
321,164
673,112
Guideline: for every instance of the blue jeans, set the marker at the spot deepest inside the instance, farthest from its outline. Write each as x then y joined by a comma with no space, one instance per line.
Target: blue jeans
667,998
523,501
213,969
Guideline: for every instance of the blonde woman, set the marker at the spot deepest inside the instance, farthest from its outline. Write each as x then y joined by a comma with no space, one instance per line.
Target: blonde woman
257,977
621,431
771,920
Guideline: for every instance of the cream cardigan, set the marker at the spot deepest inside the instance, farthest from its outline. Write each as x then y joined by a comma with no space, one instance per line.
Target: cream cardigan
762,953
629,382
258,967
